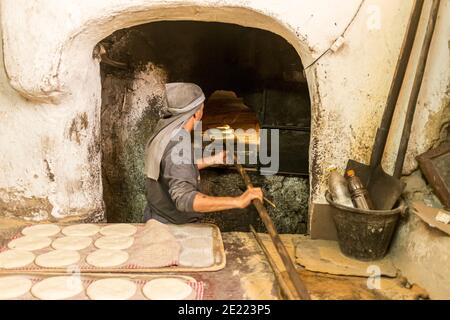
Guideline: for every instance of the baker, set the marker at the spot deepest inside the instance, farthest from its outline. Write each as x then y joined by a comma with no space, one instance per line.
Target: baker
172,183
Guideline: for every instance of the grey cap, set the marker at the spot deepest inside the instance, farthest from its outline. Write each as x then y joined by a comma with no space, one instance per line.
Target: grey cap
183,100
183,97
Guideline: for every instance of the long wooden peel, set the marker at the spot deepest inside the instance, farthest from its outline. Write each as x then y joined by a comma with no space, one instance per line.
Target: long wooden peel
282,277
279,246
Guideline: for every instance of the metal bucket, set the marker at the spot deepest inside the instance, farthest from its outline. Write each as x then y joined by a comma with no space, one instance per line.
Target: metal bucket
364,234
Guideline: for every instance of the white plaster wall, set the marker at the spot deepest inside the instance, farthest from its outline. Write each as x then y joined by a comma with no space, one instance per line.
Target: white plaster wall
422,253
48,61
433,98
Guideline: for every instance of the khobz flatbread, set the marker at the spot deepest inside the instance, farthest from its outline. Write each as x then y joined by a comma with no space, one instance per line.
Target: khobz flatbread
157,246
196,258
118,229
167,289
71,243
112,289
103,258
81,230
155,235
198,244
41,230
114,242
157,255
155,223
12,259
189,231
12,287
58,258
57,288
30,243
155,232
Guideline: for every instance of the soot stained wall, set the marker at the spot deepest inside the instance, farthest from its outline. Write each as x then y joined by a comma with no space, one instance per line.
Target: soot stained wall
216,56
213,55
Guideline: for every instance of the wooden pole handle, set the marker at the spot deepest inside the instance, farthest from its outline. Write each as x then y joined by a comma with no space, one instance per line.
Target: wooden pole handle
282,277
279,246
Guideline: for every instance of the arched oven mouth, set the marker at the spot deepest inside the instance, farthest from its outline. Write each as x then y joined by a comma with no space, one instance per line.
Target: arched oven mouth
254,84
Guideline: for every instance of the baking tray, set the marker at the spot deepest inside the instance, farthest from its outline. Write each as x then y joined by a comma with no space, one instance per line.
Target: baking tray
83,267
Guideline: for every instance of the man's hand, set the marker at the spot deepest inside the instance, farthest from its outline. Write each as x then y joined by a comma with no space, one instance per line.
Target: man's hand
248,196
204,204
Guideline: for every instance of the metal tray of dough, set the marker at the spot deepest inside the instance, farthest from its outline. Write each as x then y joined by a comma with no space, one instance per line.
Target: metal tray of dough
83,267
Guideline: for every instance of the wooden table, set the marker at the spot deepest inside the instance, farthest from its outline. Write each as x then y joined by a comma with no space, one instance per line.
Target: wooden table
247,274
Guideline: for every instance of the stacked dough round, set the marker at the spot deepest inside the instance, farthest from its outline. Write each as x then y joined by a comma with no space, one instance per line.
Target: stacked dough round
104,258
14,286
30,243
72,243
58,259
197,252
112,289
114,242
13,259
167,289
119,229
81,230
41,230
58,288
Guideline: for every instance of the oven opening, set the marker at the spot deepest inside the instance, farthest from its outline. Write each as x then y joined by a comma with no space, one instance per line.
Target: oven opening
253,81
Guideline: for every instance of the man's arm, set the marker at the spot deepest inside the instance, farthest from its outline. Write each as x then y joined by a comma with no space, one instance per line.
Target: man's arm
205,204
182,189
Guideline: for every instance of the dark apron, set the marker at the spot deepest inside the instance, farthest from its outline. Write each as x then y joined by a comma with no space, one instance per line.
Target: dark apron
149,214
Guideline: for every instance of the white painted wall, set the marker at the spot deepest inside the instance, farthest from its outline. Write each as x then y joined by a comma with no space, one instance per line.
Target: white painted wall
433,97
50,83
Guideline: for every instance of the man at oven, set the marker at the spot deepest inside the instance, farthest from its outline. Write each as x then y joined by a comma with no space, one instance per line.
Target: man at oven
172,186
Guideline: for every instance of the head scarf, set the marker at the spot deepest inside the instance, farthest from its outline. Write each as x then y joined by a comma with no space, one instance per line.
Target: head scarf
183,101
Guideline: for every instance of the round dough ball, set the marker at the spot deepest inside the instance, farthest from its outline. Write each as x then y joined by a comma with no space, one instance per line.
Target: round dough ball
118,229
114,242
14,286
167,289
58,258
72,243
81,230
103,258
30,243
41,230
57,288
12,259
112,289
